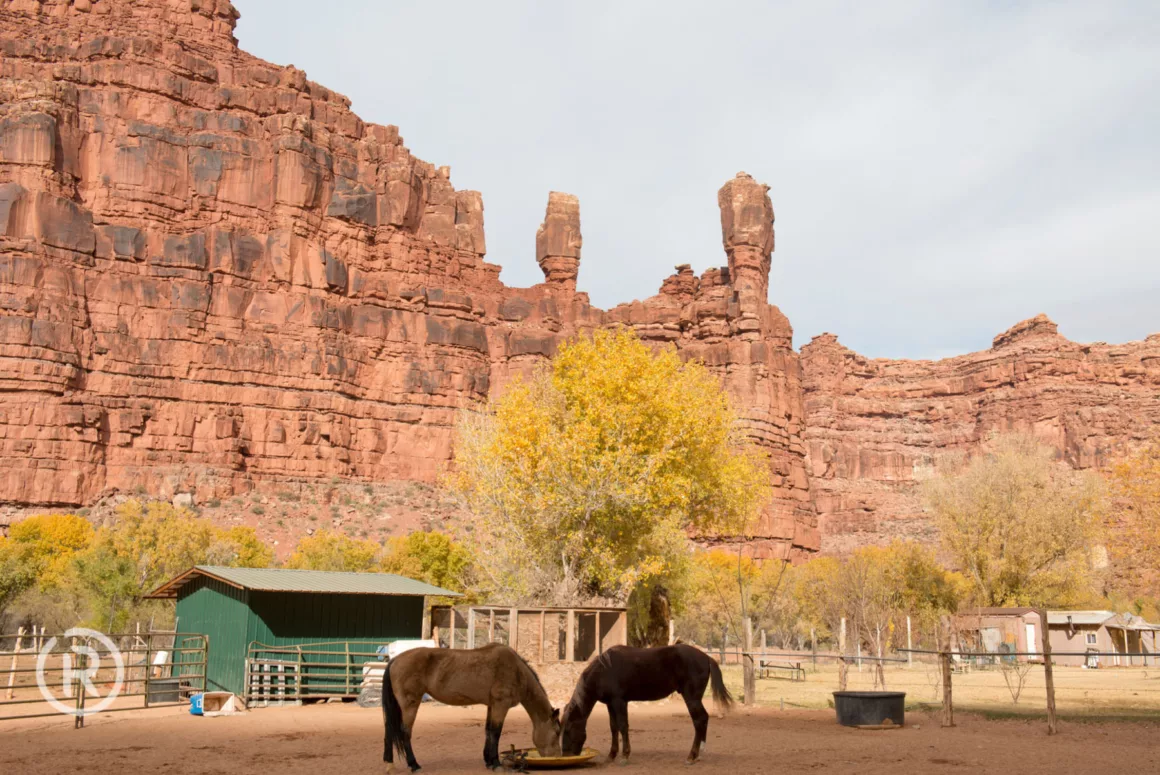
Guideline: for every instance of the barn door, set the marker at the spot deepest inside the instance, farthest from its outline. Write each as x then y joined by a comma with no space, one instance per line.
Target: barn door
1031,639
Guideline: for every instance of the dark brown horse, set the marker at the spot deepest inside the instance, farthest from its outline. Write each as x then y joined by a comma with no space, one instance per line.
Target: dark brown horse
493,675
622,675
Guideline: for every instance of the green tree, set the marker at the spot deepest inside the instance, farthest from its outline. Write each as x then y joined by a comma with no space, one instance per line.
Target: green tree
146,545
588,478
16,574
332,550
1018,524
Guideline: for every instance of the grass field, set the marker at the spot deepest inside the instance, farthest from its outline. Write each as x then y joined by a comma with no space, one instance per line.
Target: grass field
1079,693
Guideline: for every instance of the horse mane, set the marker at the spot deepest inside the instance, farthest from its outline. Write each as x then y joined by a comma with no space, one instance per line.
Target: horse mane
531,670
580,693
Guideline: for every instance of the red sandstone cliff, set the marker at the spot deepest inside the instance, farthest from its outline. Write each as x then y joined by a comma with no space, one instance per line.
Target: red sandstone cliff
874,426
214,276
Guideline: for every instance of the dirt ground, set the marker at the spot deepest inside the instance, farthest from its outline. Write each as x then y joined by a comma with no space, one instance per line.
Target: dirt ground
343,739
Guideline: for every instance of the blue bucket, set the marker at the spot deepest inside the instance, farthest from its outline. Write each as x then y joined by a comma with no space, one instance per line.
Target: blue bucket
196,706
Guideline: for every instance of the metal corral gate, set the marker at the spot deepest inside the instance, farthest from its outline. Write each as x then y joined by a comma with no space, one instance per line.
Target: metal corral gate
277,675
161,669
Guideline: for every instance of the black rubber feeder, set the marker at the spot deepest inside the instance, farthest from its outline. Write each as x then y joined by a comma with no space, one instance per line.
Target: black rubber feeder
872,710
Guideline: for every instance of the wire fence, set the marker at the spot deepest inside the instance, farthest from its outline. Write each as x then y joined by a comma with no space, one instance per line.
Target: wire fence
998,686
1040,683
47,675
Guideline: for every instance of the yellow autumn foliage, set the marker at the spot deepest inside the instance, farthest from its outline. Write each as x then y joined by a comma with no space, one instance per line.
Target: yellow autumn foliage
336,551
49,542
1020,526
1134,529
587,478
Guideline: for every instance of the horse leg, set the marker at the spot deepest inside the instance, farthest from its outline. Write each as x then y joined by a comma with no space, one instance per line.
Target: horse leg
494,728
409,713
614,724
700,718
388,750
622,722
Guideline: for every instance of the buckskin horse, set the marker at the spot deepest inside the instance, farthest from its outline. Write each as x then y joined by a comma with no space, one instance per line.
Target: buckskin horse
622,675
494,675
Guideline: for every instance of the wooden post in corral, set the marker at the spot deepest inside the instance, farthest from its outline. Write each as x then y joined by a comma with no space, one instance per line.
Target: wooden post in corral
1048,677
909,654
944,658
15,655
672,632
514,629
749,668
471,628
570,633
491,626
541,636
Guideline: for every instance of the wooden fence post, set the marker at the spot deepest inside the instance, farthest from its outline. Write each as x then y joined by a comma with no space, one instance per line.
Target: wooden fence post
15,655
750,673
570,634
948,715
514,629
471,627
1049,679
909,646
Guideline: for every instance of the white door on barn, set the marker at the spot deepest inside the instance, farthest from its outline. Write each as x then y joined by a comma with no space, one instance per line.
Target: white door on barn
1031,639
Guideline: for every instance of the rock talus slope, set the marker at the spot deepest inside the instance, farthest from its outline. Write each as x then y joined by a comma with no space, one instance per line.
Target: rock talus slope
214,275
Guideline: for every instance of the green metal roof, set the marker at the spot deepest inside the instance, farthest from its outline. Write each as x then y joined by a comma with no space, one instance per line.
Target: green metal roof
287,580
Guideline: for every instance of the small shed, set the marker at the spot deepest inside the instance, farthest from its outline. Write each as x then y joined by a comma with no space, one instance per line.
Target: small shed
295,619
1124,640
1001,631
542,635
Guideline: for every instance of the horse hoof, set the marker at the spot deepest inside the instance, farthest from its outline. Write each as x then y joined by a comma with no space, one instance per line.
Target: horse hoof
623,762
690,761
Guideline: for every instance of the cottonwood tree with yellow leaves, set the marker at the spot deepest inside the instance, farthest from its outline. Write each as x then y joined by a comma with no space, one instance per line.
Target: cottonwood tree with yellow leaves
588,478
1134,524
1019,525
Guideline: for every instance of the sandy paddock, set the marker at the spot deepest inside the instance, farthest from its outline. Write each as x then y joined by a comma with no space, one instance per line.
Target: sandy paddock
345,739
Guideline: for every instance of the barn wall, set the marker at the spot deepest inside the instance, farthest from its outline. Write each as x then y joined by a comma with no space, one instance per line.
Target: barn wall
285,619
219,611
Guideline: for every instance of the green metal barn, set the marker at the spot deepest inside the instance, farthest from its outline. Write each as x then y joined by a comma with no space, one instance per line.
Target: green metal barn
297,634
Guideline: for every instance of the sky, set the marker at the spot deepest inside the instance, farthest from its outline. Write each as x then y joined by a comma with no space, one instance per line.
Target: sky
939,170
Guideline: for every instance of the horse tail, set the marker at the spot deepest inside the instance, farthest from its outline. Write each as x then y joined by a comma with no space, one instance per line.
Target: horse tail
721,695
392,717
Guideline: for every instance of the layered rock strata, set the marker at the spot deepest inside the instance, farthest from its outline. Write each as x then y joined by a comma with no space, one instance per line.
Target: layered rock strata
875,428
214,275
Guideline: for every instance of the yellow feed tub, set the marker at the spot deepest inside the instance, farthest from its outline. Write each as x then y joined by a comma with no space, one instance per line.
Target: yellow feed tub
530,759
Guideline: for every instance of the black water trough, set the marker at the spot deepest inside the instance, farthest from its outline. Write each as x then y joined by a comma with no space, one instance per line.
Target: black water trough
870,709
